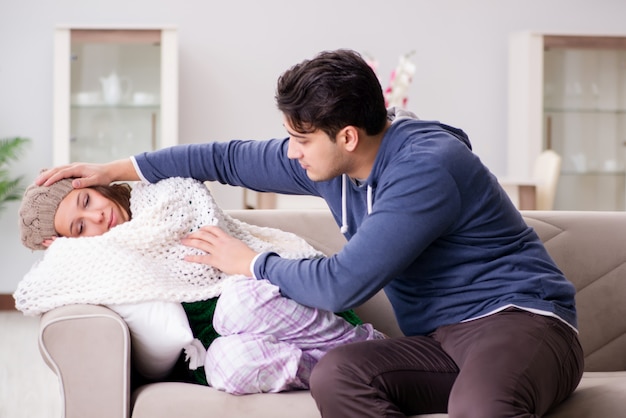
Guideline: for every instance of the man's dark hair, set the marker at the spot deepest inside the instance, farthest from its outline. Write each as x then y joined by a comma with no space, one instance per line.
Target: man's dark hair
331,91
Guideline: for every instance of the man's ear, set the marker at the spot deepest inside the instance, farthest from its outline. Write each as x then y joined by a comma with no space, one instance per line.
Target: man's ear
349,137
48,241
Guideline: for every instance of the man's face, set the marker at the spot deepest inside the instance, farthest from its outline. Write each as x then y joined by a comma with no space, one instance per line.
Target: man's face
322,158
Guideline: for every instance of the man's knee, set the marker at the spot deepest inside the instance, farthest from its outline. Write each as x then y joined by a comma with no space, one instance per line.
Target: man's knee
334,371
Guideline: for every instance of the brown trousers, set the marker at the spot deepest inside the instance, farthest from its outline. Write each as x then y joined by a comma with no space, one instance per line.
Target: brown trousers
510,364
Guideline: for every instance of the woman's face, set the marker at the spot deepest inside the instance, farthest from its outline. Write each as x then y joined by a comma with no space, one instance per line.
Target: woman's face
87,213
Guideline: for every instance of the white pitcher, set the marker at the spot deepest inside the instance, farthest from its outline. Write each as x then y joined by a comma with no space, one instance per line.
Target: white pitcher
114,88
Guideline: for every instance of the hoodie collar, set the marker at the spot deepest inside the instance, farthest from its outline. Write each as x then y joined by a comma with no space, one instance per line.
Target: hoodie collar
394,114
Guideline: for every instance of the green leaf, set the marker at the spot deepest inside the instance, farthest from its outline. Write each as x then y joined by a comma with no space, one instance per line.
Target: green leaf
11,149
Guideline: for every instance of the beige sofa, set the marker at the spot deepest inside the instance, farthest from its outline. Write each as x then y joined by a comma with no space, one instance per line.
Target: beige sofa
88,347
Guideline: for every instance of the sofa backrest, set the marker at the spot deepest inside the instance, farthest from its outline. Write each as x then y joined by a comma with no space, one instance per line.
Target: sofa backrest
589,247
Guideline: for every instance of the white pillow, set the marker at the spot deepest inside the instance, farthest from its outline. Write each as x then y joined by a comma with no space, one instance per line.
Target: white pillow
159,331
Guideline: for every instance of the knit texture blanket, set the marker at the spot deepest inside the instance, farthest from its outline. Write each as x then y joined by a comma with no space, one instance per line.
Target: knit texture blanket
142,260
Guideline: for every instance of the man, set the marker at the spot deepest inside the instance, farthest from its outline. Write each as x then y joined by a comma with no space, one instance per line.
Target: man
489,318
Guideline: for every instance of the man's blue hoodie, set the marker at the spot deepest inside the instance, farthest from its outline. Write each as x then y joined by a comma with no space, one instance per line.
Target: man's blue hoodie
430,225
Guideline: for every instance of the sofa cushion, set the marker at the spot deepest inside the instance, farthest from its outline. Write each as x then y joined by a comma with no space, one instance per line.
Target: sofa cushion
600,394
165,400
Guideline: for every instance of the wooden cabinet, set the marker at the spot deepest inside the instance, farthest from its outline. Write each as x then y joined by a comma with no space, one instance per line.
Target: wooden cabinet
567,92
115,92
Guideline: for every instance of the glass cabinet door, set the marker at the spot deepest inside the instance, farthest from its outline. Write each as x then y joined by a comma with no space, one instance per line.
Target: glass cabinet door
115,93
568,93
584,119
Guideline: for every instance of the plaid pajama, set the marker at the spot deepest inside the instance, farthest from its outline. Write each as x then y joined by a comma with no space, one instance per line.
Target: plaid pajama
270,343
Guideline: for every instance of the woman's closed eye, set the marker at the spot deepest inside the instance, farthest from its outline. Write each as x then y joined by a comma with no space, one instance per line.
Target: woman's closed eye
80,227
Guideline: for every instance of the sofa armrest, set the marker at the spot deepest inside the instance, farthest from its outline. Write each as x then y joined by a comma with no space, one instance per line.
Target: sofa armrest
88,348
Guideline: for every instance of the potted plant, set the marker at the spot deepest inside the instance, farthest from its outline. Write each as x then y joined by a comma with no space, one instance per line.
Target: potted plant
10,187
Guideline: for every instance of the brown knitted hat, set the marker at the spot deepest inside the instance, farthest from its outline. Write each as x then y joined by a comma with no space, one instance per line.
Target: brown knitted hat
39,205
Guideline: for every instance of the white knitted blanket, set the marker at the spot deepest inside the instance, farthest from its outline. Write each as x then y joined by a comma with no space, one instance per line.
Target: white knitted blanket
142,260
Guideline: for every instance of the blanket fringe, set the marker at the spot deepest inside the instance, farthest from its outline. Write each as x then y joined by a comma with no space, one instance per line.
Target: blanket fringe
195,353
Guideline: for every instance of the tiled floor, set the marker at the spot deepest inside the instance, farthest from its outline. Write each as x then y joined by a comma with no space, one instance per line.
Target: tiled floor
28,389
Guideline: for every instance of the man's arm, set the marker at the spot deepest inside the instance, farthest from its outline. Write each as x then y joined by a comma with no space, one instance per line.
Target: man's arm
258,165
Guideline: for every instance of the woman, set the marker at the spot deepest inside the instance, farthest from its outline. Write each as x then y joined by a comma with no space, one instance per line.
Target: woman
112,245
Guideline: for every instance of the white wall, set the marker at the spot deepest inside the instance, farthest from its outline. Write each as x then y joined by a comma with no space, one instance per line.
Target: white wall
232,52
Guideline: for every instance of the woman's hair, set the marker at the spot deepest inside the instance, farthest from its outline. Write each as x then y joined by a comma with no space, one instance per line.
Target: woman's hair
118,193
333,90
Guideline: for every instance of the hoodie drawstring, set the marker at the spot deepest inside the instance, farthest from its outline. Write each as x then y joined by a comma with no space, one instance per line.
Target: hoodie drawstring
344,203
